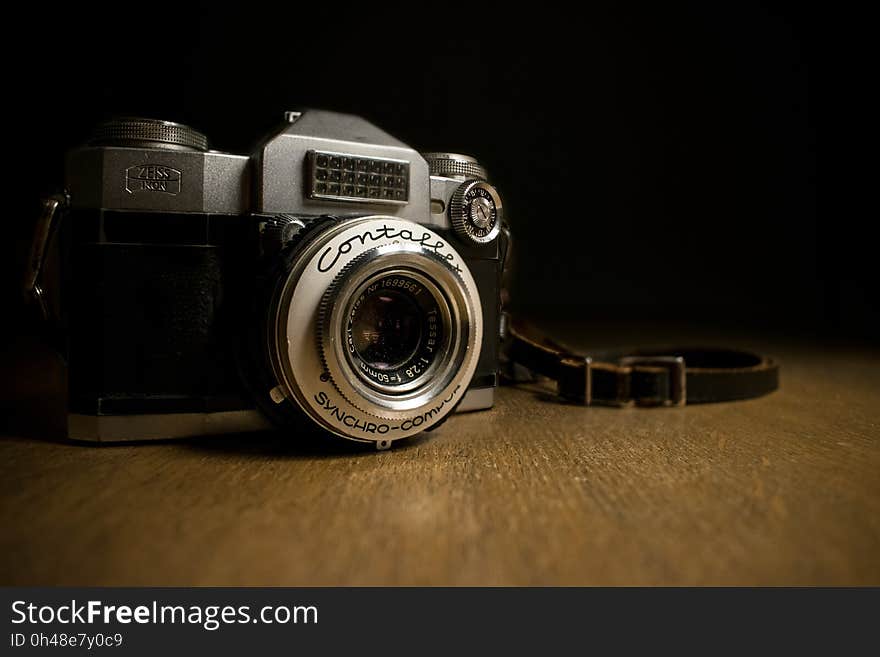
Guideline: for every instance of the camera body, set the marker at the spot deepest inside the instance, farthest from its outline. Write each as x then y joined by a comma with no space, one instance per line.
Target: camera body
334,275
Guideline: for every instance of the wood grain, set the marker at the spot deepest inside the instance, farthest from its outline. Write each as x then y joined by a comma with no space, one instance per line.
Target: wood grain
783,490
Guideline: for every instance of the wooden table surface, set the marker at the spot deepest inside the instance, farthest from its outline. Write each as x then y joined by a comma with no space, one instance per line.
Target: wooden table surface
783,490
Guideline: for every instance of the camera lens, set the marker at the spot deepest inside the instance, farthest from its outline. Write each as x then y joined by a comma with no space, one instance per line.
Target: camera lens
394,329
375,329
386,330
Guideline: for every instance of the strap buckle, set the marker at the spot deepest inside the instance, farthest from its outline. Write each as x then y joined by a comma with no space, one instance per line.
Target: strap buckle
578,386
675,367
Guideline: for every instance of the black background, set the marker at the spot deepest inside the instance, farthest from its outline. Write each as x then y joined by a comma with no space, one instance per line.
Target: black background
657,164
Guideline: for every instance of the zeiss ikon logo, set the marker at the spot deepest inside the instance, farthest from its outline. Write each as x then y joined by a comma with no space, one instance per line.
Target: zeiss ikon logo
152,178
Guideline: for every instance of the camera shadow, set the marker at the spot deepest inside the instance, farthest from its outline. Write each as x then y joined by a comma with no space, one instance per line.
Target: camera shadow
278,444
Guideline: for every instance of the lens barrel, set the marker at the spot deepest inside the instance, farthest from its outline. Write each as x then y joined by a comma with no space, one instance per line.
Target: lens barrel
393,329
427,306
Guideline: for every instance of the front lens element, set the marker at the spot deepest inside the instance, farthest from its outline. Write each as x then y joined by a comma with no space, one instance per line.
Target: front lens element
386,329
394,329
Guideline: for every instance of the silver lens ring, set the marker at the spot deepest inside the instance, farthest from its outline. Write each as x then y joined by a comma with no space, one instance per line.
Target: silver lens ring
404,270
302,365
415,355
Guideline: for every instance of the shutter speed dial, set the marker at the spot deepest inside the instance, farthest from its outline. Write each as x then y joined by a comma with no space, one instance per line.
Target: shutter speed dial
475,212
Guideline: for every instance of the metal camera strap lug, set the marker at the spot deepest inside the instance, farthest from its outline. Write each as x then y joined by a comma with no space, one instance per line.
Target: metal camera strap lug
51,212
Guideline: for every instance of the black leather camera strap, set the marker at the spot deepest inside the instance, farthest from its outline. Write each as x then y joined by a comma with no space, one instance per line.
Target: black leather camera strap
670,376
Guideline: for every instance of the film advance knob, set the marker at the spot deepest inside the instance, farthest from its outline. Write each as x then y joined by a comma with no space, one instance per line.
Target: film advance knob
150,133
455,165
475,212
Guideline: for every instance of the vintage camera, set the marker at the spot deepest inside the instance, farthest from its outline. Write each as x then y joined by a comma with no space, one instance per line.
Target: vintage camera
335,278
